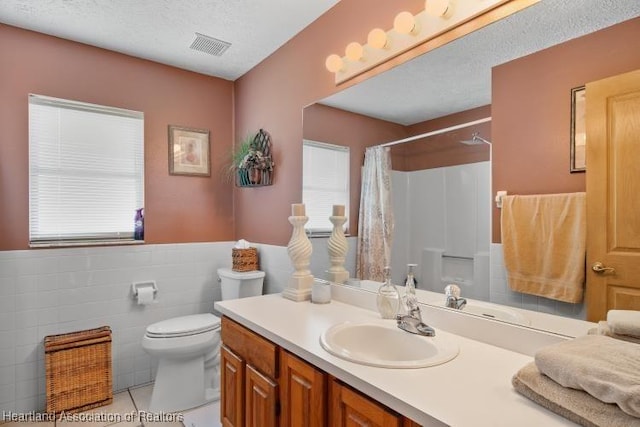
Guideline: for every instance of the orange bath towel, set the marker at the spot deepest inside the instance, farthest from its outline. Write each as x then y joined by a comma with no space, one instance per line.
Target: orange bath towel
544,243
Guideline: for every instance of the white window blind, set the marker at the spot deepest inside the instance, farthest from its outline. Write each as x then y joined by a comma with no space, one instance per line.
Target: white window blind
86,171
325,182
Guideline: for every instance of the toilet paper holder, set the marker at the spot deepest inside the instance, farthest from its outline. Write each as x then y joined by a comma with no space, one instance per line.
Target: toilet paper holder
135,286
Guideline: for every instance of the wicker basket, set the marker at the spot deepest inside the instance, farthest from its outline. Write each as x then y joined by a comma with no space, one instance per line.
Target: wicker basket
245,259
78,370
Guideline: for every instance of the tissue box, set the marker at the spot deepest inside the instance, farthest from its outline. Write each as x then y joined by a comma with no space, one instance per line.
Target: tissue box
78,370
245,259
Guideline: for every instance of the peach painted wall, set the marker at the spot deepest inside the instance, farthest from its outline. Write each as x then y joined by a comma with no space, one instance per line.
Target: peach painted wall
335,126
531,108
273,95
444,149
178,208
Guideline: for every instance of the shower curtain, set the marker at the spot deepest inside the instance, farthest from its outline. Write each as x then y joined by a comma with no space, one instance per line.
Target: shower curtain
375,225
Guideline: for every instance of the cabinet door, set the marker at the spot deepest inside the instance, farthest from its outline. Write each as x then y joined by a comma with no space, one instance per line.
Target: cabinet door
303,390
350,409
232,389
260,400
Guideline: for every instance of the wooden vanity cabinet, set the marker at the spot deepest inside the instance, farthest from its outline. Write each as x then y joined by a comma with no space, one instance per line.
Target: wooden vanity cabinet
231,388
351,408
248,378
264,385
261,400
303,393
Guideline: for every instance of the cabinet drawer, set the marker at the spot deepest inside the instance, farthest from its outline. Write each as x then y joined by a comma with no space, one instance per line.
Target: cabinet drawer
257,351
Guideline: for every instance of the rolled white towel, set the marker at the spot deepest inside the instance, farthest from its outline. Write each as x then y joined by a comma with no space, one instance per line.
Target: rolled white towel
624,322
604,329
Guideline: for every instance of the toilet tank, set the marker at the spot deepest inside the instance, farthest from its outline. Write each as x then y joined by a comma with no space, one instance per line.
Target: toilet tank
236,284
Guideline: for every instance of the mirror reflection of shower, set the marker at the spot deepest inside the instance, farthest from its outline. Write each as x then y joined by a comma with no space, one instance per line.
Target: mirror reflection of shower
441,196
476,139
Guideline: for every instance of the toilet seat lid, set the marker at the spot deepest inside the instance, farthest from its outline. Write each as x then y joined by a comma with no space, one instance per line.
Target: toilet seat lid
184,326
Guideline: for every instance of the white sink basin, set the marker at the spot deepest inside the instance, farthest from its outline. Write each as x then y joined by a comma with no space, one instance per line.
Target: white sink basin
490,311
386,346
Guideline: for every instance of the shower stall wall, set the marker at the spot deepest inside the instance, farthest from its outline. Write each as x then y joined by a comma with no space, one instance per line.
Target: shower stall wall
442,223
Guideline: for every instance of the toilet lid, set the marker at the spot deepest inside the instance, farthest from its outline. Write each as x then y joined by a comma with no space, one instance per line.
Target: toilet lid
184,326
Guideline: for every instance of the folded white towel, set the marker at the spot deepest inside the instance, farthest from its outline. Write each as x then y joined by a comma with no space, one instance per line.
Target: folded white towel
624,322
604,367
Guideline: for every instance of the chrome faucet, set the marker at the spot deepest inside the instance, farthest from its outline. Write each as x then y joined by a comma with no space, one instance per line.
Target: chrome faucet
452,292
412,322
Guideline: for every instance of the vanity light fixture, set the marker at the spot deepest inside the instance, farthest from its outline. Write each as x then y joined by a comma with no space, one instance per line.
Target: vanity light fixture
439,8
334,63
410,31
354,51
378,39
405,23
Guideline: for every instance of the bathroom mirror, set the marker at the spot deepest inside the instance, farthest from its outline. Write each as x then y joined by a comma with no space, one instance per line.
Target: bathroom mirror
454,83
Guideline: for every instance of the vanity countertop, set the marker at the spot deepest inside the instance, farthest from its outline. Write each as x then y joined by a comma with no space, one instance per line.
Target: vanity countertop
474,389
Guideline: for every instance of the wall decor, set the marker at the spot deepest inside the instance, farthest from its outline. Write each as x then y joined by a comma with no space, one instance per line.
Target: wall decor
256,167
189,151
578,130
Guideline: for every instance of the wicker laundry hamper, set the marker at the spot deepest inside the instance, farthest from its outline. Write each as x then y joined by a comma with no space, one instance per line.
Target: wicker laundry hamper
78,370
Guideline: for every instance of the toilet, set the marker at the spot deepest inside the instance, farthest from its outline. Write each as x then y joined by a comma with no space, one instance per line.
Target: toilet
188,349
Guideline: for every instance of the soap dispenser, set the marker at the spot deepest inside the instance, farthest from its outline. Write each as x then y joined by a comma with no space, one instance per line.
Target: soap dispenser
388,297
410,287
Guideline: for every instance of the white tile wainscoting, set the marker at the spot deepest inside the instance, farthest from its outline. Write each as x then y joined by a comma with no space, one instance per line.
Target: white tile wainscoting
52,291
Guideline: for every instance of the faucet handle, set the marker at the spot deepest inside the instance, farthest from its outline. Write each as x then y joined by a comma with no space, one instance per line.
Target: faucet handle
452,291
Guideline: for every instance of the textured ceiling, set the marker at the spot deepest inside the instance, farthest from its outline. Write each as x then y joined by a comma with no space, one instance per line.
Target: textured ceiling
163,30
457,76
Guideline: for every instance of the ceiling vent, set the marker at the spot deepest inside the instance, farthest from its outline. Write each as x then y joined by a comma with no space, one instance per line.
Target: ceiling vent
209,45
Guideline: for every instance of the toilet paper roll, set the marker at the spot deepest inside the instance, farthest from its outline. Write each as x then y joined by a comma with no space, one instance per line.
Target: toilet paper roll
145,295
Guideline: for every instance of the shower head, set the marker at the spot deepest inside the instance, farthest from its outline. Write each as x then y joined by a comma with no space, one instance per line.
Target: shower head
476,139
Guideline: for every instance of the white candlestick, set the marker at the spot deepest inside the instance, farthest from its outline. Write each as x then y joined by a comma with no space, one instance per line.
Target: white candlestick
338,247
299,250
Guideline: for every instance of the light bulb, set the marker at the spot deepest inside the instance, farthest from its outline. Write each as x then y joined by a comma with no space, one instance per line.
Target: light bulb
354,51
405,23
378,39
334,63
436,7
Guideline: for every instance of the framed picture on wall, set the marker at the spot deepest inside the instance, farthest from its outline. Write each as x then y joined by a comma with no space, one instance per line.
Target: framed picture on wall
189,151
578,130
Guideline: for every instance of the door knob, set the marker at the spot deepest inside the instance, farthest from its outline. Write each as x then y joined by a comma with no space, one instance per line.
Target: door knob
599,268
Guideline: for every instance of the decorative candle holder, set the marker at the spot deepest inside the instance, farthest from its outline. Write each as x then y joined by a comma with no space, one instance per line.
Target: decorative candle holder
338,247
299,250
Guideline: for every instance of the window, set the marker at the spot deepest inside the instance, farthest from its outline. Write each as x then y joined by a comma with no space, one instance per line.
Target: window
325,182
86,171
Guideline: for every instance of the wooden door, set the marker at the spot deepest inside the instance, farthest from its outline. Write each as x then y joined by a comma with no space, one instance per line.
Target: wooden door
613,195
261,399
232,389
351,409
303,390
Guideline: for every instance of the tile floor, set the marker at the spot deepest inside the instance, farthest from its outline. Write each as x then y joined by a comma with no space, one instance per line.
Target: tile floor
128,410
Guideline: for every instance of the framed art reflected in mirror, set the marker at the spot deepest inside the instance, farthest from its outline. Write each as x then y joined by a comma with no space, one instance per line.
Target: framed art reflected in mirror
578,131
